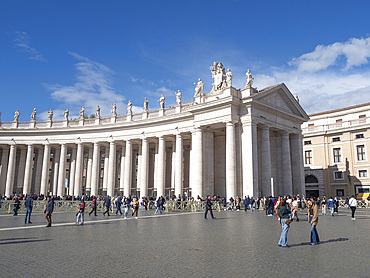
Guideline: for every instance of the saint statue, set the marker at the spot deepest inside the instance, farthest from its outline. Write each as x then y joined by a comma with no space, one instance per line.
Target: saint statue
146,105
296,97
114,110
33,115
50,115
178,97
219,76
97,112
82,112
161,101
16,115
199,87
229,78
249,79
129,107
66,113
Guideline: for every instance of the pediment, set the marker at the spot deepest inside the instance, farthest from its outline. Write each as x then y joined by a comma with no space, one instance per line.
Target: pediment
281,98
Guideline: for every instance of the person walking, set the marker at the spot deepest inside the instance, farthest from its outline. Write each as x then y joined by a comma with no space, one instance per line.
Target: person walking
107,205
93,206
16,205
283,211
323,204
208,207
118,205
330,205
135,207
159,205
126,205
29,205
353,204
313,219
81,213
246,203
49,210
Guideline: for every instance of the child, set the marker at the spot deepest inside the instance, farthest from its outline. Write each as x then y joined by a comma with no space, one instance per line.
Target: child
80,213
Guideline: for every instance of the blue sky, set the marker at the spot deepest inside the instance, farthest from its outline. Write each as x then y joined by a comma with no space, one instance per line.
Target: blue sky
59,54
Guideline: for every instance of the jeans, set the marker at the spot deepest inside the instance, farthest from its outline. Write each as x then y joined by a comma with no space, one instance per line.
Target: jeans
314,235
125,211
15,210
332,210
251,207
28,215
284,233
119,210
159,208
80,215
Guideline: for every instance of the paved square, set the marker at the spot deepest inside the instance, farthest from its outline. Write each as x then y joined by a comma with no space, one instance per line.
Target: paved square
236,244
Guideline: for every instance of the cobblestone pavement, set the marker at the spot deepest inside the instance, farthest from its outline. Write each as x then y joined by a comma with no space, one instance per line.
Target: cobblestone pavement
236,244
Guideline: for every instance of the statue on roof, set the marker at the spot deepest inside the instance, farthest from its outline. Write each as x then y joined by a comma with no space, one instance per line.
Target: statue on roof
249,79
82,112
97,112
129,107
178,97
219,76
66,113
161,101
199,87
114,110
50,115
146,103
16,115
33,115
229,78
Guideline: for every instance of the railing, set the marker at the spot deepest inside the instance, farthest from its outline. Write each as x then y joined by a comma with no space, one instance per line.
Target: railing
334,126
71,206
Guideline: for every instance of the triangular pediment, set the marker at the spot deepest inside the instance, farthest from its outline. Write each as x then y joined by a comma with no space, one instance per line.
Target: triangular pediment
281,98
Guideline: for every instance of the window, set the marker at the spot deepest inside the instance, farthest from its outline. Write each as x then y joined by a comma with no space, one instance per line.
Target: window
362,173
307,142
311,179
337,155
336,139
338,123
338,175
360,152
311,127
308,157
359,136
340,192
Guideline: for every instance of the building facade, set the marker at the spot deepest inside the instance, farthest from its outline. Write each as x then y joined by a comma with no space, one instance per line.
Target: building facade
227,142
335,152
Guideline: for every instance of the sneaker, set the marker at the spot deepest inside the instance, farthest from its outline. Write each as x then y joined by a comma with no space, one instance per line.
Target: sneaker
135,217
353,218
125,217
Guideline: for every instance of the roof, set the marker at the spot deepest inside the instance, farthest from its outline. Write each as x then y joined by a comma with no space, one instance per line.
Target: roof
340,109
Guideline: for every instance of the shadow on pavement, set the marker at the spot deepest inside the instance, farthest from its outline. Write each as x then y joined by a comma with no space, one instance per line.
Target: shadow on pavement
24,241
321,242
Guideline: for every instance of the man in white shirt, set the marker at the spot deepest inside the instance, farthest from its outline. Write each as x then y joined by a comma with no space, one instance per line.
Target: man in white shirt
353,204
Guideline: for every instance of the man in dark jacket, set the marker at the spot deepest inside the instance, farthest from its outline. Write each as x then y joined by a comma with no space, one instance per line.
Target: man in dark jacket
107,205
49,210
29,205
209,207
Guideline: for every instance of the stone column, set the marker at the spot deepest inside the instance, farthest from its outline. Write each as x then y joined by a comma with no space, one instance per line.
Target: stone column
11,171
196,160
62,170
95,170
161,167
45,170
286,164
138,173
21,170
89,171
128,169
144,168
28,171
209,159
178,165
173,167
79,167
106,169
38,171
56,160
72,171
4,168
122,170
112,169
297,165
266,161
230,161
250,159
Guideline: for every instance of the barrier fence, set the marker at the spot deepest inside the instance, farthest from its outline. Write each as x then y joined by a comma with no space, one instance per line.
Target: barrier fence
173,206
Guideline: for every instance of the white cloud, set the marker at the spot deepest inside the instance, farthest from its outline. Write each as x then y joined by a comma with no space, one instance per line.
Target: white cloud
355,51
22,42
321,88
92,88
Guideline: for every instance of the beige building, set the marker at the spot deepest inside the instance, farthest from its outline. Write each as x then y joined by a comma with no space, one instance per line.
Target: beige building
335,148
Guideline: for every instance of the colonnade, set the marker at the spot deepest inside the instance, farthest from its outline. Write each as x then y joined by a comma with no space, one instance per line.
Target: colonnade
243,158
